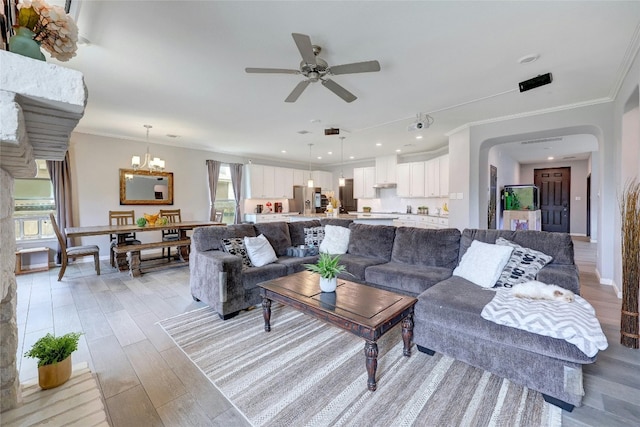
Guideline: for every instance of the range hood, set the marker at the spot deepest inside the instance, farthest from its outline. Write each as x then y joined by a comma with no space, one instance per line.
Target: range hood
385,185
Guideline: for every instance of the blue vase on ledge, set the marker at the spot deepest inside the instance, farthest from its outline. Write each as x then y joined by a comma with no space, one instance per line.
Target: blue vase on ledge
23,44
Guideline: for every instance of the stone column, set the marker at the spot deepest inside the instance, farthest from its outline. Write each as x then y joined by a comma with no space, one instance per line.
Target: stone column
9,380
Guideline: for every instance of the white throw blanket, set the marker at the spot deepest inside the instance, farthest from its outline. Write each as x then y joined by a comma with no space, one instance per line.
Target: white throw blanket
574,322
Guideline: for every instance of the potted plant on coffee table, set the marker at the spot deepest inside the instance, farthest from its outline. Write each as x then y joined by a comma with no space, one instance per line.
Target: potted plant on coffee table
328,268
54,358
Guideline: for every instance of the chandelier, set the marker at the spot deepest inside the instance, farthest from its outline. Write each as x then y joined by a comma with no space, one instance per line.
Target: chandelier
153,164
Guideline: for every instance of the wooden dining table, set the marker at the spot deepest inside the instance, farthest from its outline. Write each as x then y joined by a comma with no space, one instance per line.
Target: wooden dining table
122,231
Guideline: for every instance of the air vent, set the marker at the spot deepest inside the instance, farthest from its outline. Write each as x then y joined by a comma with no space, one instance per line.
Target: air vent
538,141
303,132
569,158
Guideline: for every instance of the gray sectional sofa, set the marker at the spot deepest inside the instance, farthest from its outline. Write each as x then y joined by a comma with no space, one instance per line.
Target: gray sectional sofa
417,262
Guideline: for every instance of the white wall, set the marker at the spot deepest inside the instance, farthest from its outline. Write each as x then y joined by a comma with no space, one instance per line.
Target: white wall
95,161
508,174
578,189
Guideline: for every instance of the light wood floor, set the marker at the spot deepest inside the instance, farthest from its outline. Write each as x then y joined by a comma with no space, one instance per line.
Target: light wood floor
146,380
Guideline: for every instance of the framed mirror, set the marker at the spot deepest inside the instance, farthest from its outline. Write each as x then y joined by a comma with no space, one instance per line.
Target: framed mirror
141,187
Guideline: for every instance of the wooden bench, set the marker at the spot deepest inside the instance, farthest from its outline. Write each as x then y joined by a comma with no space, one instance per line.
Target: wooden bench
133,252
20,252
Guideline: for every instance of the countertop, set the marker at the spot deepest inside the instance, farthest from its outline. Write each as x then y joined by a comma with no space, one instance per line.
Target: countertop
398,214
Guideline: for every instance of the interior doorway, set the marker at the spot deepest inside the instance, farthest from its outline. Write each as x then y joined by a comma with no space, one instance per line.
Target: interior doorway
555,196
493,191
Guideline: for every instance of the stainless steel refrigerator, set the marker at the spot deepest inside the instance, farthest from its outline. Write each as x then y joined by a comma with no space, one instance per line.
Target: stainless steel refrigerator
302,195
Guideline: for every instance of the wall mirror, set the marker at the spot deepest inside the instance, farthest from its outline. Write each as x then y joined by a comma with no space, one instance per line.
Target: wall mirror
140,187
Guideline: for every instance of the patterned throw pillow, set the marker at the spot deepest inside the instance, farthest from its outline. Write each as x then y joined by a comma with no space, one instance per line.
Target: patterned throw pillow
313,236
235,246
523,265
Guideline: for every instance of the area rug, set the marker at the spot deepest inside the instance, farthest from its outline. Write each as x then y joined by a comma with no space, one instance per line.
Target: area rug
308,373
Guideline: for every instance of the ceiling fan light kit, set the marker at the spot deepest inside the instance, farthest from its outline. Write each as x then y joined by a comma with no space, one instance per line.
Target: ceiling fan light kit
317,69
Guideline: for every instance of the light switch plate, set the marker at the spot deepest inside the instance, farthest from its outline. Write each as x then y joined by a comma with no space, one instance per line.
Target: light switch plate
459,196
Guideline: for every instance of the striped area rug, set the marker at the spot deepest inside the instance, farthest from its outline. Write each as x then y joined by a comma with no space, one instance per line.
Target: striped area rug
307,373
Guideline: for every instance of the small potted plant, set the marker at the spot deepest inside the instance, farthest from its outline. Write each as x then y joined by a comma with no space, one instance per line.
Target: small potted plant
328,269
54,358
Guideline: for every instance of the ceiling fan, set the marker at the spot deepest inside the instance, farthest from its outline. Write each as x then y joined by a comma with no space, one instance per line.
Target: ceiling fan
316,69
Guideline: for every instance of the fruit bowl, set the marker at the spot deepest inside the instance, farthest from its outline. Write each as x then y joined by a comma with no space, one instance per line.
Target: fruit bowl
151,219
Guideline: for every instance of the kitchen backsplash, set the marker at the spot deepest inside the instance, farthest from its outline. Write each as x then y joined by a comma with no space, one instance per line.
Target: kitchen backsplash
390,202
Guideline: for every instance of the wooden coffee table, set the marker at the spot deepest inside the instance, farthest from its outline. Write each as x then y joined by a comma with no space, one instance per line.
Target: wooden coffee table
360,309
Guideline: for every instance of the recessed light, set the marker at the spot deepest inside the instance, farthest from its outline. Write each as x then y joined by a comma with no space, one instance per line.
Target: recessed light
378,144
319,157
284,151
419,137
550,158
330,153
398,150
529,58
351,157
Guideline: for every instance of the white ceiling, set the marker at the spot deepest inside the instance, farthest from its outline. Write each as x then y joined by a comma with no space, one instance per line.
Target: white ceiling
179,66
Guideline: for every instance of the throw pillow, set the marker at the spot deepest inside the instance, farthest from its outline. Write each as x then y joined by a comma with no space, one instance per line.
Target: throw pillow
313,236
336,240
260,250
482,263
235,246
523,265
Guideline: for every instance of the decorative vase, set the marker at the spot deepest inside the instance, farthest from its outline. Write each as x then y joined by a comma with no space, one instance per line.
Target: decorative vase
23,44
328,285
54,375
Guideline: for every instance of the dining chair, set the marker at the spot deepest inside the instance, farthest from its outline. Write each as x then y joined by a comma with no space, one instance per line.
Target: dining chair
121,218
73,251
218,216
172,216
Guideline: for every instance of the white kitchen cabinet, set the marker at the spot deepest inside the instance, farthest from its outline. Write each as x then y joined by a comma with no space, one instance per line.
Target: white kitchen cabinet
323,180
283,183
386,169
253,181
410,179
300,177
432,178
269,182
363,181
444,175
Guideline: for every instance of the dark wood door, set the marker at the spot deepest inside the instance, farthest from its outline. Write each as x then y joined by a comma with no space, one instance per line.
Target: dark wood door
347,201
554,185
493,191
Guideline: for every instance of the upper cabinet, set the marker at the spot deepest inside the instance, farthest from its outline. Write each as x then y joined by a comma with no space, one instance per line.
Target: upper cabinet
323,180
300,177
363,181
386,169
436,175
411,179
262,182
283,183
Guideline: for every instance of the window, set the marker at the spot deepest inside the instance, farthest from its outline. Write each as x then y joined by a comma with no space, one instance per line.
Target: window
33,201
225,199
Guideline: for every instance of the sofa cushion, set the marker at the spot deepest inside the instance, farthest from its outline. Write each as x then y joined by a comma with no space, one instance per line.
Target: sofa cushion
373,241
425,247
210,238
455,304
336,240
259,250
296,264
406,278
341,222
483,263
235,246
296,230
254,275
356,265
523,265
277,233
557,245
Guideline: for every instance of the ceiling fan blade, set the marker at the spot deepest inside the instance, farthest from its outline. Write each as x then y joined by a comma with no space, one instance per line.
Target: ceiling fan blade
297,91
303,42
271,71
356,67
339,90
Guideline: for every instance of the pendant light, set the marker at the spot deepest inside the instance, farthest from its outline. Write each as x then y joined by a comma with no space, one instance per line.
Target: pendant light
154,164
310,181
341,181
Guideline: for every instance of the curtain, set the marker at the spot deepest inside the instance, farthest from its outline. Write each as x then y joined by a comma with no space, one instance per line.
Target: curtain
236,183
60,173
213,169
